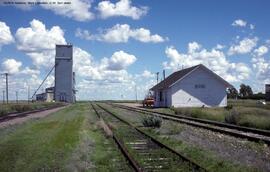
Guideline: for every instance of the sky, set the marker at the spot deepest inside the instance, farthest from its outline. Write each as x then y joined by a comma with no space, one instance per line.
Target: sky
119,45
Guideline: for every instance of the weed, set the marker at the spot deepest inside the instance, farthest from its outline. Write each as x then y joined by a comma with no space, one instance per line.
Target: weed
228,107
152,121
233,117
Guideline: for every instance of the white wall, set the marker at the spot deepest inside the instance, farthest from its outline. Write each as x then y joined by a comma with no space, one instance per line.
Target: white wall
184,93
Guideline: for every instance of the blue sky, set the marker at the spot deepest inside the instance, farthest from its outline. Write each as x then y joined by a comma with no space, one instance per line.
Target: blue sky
122,44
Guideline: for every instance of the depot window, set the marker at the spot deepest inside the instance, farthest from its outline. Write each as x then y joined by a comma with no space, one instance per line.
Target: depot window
198,86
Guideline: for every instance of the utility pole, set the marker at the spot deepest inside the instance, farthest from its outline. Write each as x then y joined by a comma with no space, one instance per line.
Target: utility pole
6,74
17,97
157,77
7,86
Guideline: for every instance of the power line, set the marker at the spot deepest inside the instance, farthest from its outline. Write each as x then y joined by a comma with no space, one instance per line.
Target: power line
43,82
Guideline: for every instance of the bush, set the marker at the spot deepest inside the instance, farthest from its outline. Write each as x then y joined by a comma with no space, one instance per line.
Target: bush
228,107
152,121
233,117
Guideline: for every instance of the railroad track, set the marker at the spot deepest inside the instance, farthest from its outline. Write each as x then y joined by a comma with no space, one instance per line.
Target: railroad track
250,134
143,151
24,114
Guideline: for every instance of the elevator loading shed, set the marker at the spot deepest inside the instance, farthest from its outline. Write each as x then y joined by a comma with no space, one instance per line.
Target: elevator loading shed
196,86
64,76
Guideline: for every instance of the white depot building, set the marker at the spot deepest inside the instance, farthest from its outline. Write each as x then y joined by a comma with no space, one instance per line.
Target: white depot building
196,86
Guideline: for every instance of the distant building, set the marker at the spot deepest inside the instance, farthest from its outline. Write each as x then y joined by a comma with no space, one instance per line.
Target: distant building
196,86
48,96
41,97
64,75
267,92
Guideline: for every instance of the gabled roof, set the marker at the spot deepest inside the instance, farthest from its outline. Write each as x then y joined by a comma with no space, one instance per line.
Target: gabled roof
178,75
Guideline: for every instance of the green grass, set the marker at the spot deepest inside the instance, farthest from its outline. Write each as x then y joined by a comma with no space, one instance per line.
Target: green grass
248,103
105,155
216,114
68,140
252,117
239,115
41,145
23,107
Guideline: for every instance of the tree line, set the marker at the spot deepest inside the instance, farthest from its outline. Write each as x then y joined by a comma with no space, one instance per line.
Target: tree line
245,92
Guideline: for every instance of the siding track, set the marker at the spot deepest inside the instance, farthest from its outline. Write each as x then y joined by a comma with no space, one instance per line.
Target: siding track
250,134
143,151
11,116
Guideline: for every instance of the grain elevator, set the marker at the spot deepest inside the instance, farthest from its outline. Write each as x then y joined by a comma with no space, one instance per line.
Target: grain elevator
64,90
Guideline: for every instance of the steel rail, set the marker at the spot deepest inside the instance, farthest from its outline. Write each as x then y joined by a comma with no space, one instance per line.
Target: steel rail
11,116
206,124
194,165
120,145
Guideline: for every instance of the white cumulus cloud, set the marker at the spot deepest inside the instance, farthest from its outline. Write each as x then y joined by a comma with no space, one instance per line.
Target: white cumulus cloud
121,33
252,26
193,46
107,70
261,50
147,74
39,42
119,60
11,66
120,8
261,68
239,23
84,34
5,34
76,9
245,46
213,59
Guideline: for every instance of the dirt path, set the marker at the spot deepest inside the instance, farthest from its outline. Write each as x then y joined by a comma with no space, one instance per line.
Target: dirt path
20,120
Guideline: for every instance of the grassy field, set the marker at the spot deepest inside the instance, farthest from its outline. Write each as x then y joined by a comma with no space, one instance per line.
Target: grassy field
68,140
242,112
23,107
